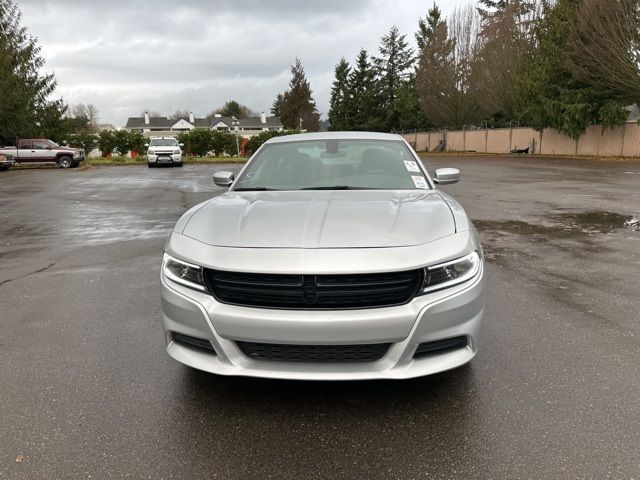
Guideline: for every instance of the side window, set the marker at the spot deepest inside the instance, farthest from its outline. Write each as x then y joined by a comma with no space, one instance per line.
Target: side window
39,146
25,145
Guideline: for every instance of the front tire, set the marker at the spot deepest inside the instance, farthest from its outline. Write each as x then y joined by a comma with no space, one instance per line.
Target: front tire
65,161
150,165
178,164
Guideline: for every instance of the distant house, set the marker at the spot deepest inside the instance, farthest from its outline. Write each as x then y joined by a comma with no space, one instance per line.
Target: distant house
163,126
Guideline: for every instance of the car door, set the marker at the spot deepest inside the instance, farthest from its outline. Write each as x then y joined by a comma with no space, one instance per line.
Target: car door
24,150
40,151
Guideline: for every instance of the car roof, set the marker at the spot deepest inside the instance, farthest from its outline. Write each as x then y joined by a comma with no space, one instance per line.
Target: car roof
335,136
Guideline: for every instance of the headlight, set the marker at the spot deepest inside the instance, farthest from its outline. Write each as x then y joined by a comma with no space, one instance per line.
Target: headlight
184,273
451,273
177,151
149,152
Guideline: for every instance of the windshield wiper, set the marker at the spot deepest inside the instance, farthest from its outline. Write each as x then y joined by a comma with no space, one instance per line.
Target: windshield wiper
253,189
335,187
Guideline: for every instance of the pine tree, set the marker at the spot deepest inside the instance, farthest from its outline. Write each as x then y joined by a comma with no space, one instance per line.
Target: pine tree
275,108
427,27
552,96
363,95
25,91
297,103
393,68
339,114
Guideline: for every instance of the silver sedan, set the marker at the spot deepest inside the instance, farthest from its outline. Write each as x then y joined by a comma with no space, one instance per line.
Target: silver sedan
332,256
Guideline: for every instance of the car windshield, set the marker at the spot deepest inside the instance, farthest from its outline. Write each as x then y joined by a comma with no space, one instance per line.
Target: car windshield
333,165
163,142
53,144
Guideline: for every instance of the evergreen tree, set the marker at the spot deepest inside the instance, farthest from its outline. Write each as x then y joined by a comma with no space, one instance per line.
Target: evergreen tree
275,107
393,68
552,97
25,92
297,103
339,114
427,27
232,108
363,95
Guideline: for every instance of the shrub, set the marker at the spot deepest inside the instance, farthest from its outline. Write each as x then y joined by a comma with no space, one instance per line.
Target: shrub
106,142
85,140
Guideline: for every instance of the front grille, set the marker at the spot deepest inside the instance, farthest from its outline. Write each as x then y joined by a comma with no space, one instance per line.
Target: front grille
314,292
190,341
440,346
314,353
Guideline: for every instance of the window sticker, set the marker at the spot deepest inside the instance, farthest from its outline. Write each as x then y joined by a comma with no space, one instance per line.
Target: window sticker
411,166
419,181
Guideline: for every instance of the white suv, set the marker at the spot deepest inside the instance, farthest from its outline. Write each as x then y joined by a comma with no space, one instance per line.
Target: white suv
164,151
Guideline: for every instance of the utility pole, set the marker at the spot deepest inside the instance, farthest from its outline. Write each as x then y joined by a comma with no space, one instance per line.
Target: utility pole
236,126
300,119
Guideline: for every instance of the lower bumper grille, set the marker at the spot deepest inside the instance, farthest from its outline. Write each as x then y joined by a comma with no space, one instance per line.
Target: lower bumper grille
440,346
190,341
314,353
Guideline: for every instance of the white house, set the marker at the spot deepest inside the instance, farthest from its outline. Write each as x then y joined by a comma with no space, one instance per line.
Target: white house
163,126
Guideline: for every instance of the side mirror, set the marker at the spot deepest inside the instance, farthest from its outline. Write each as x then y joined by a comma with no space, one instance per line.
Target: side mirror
181,144
223,178
146,145
446,176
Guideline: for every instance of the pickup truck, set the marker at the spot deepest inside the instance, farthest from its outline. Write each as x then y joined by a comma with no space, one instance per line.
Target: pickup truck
6,161
41,150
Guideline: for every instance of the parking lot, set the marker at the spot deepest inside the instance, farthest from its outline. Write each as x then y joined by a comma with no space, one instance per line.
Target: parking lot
87,391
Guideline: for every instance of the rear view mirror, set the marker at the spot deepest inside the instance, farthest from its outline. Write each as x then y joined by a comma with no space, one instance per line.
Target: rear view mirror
146,145
223,178
446,176
181,144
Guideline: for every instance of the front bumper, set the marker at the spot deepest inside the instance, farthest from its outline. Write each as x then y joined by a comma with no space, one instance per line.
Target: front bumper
453,312
165,158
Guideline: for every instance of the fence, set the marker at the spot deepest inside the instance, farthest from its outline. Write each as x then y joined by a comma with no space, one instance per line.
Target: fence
620,141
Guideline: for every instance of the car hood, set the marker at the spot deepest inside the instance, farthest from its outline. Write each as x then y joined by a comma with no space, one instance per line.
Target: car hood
322,219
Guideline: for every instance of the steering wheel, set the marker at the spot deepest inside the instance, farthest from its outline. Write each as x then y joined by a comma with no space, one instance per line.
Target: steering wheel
380,172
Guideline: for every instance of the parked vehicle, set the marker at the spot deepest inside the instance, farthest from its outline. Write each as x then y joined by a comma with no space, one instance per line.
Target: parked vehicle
332,256
164,151
6,161
42,150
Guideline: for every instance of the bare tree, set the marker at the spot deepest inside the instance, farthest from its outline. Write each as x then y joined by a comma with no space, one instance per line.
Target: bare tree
606,47
152,113
505,46
92,114
179,114
444,75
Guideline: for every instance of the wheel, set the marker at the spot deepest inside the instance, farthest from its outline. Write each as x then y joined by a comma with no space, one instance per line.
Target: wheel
65,161
3,168
179,164
150,165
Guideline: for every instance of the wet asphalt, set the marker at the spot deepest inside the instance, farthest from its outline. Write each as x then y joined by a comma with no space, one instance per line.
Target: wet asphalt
87,391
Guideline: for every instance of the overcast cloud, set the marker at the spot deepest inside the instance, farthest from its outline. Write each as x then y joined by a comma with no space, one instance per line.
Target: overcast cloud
125,56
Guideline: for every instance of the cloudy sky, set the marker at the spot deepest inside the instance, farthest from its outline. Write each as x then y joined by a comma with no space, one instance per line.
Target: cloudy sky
126,56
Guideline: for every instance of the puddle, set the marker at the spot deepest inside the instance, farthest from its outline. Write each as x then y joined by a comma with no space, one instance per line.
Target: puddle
578,233
591,222
633,223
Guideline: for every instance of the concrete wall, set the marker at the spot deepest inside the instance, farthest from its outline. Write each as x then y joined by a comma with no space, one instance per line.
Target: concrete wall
596,140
